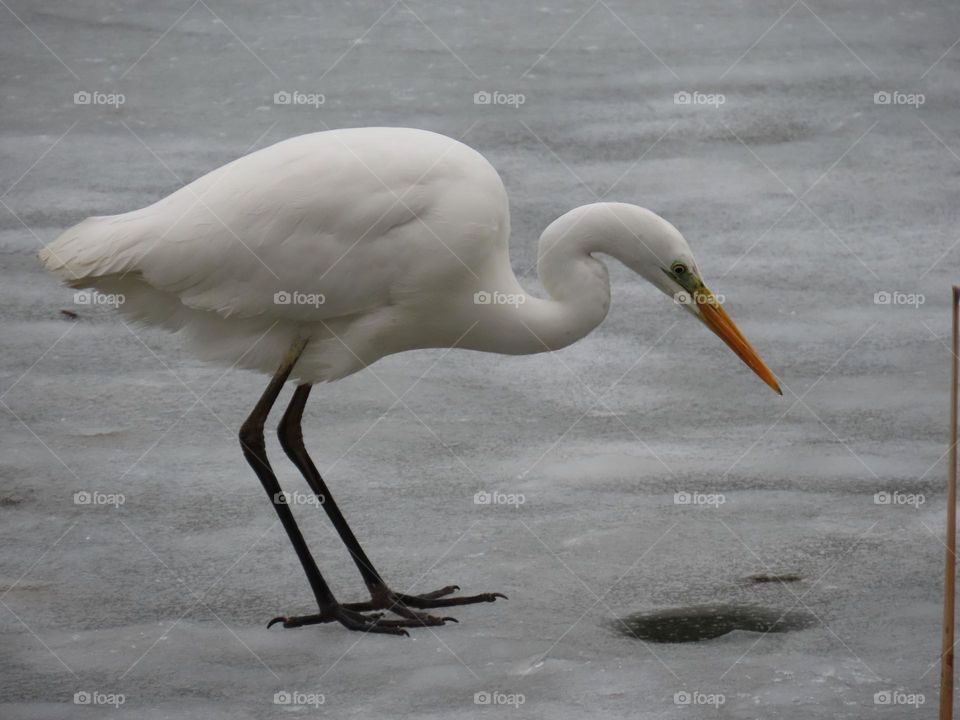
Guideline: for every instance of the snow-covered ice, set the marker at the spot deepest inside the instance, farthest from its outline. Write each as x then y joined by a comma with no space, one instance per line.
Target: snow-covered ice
804,194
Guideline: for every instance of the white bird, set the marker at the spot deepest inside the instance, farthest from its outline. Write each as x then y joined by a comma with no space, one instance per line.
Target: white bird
313,258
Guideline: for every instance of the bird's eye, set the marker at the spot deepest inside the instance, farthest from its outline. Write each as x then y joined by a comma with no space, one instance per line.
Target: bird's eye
679,268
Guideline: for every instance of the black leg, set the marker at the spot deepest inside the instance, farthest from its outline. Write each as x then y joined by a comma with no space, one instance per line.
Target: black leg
254,450
382,598
290,433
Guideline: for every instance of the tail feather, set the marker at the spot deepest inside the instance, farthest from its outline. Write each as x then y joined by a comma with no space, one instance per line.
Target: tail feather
98,246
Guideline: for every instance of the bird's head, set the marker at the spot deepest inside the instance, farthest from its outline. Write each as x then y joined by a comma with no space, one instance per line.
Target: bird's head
655,249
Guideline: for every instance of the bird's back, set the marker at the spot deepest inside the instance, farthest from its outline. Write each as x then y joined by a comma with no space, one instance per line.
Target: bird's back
325,227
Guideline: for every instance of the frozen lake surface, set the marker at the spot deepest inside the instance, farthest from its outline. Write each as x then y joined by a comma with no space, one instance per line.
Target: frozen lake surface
804,195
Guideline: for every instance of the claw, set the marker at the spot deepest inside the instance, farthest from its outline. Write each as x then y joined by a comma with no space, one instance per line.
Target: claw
273,622
448,590
450,619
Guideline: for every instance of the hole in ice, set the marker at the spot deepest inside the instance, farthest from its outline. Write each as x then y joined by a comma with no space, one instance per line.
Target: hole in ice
785,578
703,622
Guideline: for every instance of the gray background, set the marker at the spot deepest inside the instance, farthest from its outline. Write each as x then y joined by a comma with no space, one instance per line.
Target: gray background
802,198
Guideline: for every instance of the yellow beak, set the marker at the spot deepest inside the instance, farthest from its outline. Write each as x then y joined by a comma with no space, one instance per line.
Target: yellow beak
716,318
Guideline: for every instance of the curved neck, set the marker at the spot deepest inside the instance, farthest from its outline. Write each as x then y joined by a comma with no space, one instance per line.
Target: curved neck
577,284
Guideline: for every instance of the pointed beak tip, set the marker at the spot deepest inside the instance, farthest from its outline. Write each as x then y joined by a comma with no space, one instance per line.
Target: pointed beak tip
717,319
770,381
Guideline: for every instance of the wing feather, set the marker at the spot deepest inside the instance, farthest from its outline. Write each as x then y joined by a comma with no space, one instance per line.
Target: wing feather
290,219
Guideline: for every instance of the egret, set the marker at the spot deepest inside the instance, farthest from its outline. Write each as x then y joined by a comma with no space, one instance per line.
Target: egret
315,257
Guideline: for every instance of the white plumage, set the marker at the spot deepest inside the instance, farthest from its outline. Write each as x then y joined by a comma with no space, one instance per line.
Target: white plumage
381,238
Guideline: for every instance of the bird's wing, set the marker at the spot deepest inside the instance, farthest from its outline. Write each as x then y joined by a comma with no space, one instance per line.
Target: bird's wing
303,230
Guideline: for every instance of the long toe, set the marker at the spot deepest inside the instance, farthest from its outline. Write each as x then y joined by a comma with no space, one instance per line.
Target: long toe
419,618
448,590
363,606
387,598
397,606
384,627
338,614
299,621
424,602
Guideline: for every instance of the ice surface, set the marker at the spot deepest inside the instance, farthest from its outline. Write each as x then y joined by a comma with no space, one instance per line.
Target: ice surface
164,598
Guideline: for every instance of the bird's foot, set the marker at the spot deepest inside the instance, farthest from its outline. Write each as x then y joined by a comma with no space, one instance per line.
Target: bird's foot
358,615
350,619
406,606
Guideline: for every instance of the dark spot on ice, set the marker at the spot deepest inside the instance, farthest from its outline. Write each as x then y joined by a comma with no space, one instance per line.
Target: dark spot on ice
785,578
703,622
